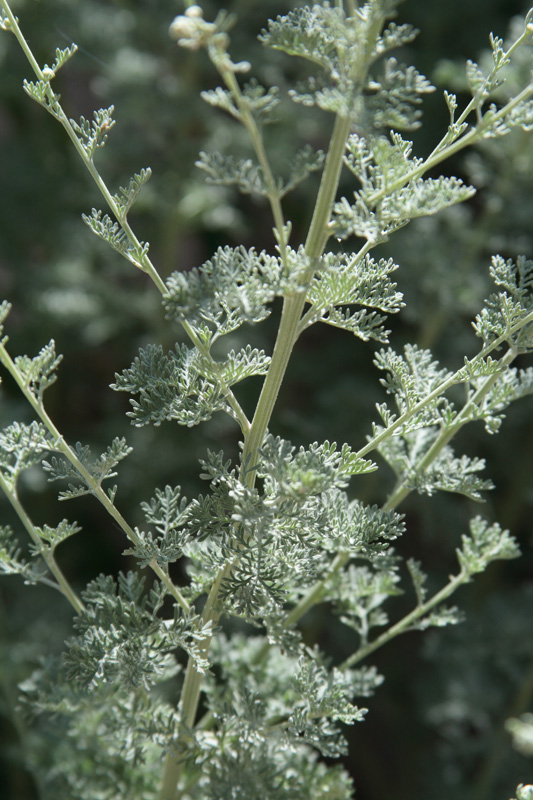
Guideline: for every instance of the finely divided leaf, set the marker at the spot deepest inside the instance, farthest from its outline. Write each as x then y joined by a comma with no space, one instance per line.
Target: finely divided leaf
38,373
92,134
233,287
244,174
508,315
423,197
341,283
112,233
127,196
100,468
22,446
486,543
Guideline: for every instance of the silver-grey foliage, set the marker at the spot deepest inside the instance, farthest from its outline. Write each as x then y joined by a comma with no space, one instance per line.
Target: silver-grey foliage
277,531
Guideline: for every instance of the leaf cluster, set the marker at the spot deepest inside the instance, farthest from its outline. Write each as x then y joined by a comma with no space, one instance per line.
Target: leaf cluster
121,639
344,49
167,513
278,537
21,447
232,288
184,385
92,134
505,314
344,281
390,192
38,373
249,177
486,543
13,562
95,470
114,234
446,472
412,378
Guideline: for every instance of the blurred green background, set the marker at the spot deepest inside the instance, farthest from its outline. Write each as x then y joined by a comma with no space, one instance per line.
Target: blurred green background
435,729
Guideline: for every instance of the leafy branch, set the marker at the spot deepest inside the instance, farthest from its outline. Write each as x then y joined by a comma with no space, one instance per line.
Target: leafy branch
485,544
90,478
87,137
45,540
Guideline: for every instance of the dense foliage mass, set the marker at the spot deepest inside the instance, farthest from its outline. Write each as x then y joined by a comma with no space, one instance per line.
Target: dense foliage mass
193,672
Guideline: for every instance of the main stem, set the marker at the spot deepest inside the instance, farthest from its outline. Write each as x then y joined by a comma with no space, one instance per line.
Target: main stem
293,306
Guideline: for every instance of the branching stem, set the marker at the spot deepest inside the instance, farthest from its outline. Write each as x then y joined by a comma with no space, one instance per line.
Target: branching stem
45,551
291,314
407,622
62,447
318,591
447,434
145,264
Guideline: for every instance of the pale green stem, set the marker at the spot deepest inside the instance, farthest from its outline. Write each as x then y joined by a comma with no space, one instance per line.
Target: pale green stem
294,304
57,111
257,140
402,490
145,264
59,445
292,310
317,592
442,153
44,550
441,388
406,622
474,103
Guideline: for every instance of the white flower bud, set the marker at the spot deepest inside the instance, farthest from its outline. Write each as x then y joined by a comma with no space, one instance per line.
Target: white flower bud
48,74
182,28
194,11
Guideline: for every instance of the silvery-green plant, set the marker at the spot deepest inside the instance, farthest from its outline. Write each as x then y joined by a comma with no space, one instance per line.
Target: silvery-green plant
281,530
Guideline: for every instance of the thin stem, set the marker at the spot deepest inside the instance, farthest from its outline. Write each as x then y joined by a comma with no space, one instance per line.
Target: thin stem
59,445
56,110
255,134
442,152
443,387
45,551
406,622
145,264
447,434
317,592
294,304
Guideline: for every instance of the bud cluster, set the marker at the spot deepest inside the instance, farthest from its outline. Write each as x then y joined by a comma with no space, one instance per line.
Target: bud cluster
191,30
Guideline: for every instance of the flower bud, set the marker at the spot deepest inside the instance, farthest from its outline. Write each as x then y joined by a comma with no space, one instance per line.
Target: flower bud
182,28
194,12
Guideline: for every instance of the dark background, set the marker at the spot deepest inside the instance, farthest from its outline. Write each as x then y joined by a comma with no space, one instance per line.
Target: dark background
435,729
